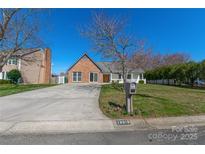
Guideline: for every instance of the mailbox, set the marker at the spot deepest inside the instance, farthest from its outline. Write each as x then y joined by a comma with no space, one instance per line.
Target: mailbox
131,88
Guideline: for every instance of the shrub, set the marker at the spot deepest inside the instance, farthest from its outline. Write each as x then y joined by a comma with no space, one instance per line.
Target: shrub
141,81
117,86
14,76
66,80
5,81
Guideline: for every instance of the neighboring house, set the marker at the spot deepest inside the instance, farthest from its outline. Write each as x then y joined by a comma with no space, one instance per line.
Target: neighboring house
85,70
54,79
34,65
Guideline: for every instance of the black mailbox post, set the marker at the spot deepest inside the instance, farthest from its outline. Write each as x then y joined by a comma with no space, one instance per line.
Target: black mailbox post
130,89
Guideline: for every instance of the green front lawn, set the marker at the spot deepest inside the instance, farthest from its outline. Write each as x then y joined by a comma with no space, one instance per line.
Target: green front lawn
153,101
8,89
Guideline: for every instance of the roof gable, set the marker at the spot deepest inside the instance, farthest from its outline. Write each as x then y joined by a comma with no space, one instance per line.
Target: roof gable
81,58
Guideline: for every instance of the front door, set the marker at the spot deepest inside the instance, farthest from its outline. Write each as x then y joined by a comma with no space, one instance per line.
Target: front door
106,78
93,77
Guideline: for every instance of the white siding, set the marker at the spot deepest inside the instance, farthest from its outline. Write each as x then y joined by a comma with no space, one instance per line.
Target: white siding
1,76
115,76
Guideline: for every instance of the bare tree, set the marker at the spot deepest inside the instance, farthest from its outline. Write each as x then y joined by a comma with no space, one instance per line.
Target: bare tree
18,29
142,58
175,58
110,39
148,60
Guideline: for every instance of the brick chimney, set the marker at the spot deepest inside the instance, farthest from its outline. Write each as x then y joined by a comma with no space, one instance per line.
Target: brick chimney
47,59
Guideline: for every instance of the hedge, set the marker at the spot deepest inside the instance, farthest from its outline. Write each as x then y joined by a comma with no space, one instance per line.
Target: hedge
5,82
181,73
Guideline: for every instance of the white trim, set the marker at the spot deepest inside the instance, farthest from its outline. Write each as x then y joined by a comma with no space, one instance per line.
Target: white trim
5,75
110,77
19,64
132,79
1,75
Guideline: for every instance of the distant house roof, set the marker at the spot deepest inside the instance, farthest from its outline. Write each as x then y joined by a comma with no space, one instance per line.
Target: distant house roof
23,52
62,74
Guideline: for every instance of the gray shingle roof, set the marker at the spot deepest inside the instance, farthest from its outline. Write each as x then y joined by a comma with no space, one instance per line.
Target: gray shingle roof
111,67
27,51
23,52
105,66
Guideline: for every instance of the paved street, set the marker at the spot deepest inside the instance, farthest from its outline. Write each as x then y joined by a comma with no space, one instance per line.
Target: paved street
63,102
131,137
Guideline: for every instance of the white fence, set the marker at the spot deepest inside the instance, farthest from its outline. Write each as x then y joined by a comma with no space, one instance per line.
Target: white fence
61,79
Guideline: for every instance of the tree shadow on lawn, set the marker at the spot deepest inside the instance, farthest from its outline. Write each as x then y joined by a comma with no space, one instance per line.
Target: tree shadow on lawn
117,105
154,97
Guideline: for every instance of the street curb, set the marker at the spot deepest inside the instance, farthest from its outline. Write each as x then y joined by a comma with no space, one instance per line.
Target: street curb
59,127
44,127
101,125
167,122
161,123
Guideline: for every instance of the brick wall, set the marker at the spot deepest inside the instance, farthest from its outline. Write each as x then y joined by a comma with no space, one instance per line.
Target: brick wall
32,68
85,65
47,59
38,69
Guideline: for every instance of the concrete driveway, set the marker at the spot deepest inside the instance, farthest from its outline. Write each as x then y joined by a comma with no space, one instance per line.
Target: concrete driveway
60,103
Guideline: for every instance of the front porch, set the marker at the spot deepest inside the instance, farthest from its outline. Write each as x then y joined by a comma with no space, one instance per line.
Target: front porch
115,77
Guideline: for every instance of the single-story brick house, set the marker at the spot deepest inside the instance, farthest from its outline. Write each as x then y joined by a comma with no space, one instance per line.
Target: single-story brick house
85,70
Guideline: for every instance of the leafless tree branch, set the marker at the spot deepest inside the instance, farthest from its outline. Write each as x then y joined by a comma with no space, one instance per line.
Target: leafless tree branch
18,29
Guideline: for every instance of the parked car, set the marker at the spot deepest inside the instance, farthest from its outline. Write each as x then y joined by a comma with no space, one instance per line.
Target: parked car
200,83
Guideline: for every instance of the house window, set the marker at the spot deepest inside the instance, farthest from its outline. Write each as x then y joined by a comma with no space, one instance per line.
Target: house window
141,76
77,76
120,76
93,77
12,61
135,76
9,61
129,76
